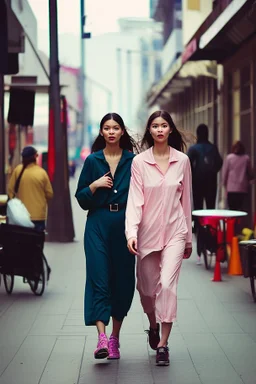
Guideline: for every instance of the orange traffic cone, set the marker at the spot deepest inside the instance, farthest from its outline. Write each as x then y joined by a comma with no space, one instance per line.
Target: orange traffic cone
235,267
217,271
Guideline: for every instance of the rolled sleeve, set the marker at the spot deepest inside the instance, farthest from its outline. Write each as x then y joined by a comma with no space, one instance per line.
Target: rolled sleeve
135,202
83,194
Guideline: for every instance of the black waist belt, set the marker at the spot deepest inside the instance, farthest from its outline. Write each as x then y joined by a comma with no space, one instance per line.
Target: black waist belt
115,207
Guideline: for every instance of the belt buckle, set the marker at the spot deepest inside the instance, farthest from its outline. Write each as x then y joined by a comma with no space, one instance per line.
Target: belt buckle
113,207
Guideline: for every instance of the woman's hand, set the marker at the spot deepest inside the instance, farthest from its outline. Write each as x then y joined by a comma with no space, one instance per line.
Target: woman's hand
132,245
187,253
103,182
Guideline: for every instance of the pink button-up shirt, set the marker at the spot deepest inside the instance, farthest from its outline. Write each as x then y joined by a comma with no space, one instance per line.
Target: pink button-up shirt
159,205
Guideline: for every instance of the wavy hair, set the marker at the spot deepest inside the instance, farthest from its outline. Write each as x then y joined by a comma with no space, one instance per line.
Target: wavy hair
175,139
126,141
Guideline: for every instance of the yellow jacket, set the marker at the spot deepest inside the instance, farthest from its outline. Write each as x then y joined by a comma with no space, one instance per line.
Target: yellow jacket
34,190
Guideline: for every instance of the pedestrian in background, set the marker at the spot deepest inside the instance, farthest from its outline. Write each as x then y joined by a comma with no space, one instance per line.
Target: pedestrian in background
206,162
158,225
33,185
236,176
110,268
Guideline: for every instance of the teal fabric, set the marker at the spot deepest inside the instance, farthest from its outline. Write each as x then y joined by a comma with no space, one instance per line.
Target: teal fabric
110,275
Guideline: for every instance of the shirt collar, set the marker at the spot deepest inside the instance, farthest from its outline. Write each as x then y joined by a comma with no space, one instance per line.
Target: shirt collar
125,155
149,157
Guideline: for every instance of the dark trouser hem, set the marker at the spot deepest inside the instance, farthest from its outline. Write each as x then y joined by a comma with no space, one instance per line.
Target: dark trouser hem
93,323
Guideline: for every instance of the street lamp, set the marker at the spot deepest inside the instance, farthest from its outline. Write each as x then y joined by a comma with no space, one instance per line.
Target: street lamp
84,35
60,221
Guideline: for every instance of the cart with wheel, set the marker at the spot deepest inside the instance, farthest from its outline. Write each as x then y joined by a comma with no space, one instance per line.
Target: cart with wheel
248,258
22,255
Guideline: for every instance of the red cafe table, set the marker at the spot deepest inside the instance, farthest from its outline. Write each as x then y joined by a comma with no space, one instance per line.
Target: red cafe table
221,217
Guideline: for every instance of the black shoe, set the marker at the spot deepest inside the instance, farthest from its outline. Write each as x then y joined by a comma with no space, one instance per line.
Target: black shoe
153,337
162,356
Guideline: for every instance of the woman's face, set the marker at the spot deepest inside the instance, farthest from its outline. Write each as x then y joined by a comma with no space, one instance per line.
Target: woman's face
159,130
112,132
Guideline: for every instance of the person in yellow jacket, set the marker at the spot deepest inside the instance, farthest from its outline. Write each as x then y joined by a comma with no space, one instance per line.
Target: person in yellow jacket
31,184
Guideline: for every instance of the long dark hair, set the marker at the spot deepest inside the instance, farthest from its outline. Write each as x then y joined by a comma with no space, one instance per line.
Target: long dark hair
175,139
25,162
126,141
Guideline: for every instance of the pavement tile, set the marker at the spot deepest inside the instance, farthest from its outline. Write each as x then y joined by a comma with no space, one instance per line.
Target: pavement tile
241,352
213,340
31,358
217,371
63,366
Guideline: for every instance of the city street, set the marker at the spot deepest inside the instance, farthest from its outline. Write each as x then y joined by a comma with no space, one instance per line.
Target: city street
44,340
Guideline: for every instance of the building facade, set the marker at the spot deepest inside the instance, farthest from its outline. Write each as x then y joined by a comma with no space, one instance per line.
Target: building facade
213,81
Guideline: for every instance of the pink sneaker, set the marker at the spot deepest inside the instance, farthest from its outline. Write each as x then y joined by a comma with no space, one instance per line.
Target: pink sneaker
101,351
113,347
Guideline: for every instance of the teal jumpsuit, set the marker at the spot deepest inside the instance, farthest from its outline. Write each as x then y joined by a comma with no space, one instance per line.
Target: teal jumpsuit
110,268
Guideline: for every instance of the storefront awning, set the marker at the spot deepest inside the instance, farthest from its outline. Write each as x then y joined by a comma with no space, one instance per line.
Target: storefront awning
219,38
179,77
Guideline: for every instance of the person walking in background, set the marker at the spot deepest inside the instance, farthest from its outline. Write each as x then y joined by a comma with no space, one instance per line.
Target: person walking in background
158,225
110,268
206,162
236,176
33,185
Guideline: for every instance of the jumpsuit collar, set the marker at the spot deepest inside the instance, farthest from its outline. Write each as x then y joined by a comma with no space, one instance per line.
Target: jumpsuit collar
125,156
151,160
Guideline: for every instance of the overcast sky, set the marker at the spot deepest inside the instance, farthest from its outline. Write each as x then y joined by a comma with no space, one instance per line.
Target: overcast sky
102,15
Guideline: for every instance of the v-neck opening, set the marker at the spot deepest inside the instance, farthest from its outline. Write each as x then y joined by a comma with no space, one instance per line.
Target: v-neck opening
157,165
113,176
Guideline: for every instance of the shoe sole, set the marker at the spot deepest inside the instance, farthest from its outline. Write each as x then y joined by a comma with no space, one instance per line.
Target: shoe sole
163,363
101,354
113,358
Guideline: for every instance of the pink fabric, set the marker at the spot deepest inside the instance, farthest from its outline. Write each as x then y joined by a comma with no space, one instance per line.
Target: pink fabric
236,173
159,205
157,280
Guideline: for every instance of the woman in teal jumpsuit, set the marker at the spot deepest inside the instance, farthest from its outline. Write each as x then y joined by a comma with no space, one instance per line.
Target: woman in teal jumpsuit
103,189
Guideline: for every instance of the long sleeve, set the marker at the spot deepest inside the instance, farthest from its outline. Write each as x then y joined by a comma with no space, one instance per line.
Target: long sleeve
85,197
192,156
186,201
250,173
218,160
135,202
225,173
48,188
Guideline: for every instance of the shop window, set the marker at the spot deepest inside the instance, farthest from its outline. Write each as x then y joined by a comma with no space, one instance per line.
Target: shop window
236,102
194,5
236,79
245,97
245,132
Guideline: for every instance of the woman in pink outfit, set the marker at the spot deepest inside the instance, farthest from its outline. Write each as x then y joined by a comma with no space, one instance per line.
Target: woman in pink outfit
158,224
236,176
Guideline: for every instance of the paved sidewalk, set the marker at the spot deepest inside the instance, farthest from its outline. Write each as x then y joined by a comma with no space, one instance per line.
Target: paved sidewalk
43,339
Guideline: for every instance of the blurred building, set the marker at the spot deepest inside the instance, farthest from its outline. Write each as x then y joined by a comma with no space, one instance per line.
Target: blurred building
23,76
25,112
212,81
121,67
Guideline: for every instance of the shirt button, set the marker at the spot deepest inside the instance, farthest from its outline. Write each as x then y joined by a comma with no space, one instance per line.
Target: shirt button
115,191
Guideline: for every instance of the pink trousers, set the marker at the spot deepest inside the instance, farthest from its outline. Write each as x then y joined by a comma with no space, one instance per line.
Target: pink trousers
157,280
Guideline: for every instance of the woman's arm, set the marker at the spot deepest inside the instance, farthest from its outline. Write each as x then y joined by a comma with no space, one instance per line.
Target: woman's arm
135,202
225,173
186,201
87,187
